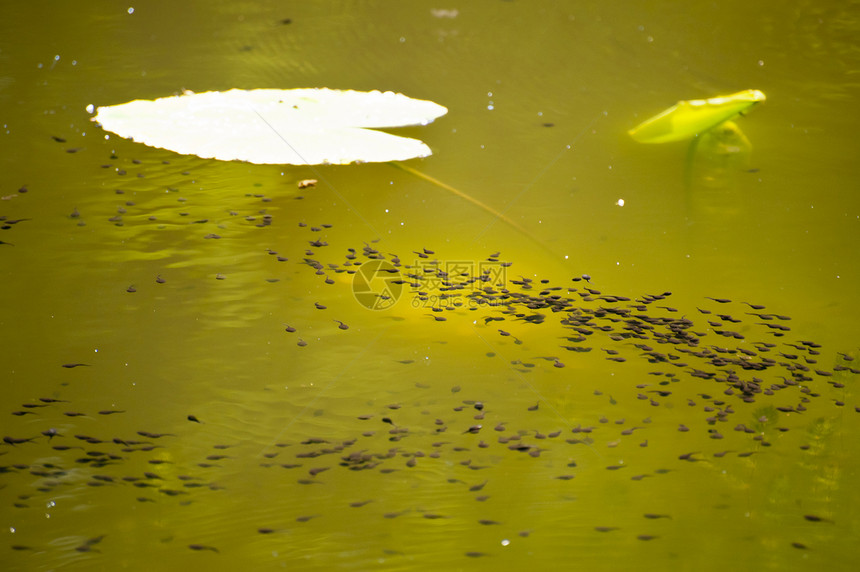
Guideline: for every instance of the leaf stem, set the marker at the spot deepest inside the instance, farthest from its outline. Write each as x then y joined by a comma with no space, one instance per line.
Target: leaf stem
483,206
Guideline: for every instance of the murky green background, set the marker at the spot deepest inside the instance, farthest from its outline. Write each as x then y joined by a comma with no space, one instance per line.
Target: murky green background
780,228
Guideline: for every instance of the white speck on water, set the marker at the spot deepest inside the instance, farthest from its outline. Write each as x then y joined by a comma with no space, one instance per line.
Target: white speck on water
131,10
505,542
620,202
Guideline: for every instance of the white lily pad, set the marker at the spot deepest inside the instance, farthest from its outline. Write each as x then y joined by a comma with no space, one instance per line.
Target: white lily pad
276,126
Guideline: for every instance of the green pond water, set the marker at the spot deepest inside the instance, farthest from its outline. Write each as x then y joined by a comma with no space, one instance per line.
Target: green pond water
240,407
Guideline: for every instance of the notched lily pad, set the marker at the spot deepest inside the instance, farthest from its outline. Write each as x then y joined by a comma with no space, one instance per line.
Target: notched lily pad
276,126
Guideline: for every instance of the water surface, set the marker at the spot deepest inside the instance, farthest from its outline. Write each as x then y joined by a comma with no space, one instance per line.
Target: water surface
293,463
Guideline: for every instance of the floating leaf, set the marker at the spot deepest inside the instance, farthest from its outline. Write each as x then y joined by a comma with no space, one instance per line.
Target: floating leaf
692,117
276,126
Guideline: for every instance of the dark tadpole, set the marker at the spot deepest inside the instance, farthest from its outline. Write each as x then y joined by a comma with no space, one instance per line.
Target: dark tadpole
154,435
475,554
194,419
814,518
89,543
200,547
17,441
71,365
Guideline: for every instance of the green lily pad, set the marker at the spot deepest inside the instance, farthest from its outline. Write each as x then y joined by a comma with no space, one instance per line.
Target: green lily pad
276,126
692,117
